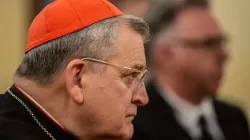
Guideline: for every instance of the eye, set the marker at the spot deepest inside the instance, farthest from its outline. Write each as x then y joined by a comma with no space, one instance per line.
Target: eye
129,78
132,75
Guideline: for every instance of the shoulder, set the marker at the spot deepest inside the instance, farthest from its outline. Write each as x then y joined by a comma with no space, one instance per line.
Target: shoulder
232,119
15,123
228,109
231,113
12,127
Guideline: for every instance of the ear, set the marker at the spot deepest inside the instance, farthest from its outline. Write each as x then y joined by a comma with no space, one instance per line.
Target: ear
72,75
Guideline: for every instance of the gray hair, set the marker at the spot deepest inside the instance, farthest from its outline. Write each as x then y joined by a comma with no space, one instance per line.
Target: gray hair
98,41
171,10
167,10
161,25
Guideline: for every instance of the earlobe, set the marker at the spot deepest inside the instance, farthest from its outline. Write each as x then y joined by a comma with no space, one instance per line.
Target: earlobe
77,97
73,83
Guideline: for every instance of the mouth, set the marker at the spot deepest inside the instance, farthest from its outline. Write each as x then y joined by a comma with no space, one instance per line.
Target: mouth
131,114
130,118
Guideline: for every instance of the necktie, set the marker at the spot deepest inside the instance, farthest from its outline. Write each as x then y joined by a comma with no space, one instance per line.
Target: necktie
204,129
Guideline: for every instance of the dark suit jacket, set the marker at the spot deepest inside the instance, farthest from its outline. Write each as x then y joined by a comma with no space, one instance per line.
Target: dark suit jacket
156,121
17,124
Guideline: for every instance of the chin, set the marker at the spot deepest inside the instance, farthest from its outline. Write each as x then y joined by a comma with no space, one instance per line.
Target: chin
127,131
212,90
212,94
124,132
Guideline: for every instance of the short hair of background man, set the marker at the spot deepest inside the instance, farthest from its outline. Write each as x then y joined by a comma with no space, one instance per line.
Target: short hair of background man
161,27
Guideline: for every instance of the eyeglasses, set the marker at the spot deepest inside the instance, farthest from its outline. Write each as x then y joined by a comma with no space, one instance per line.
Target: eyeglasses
208,43
138,79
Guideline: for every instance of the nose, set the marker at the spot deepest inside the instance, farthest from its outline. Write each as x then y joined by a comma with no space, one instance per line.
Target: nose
140,96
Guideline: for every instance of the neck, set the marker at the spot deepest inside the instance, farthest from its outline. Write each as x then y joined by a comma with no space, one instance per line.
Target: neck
184,88
54,99
50,97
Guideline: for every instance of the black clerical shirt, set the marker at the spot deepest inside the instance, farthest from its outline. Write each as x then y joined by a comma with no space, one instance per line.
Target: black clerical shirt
16,123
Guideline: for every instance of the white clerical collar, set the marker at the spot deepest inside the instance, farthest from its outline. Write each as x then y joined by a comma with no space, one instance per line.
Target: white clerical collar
40,107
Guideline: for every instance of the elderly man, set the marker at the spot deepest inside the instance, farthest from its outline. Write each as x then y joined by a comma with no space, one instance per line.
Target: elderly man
81,77
189,54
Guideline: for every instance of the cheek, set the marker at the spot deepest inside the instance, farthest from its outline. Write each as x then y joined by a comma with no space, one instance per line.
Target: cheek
117,101
116,96
119,93
108,102
197,67
198,62
204,71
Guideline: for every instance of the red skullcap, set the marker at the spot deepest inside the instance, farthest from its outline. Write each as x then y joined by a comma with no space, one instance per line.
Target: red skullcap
66,16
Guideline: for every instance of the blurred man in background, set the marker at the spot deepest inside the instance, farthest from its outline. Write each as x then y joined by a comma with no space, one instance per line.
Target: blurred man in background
81,77
188,58
133,7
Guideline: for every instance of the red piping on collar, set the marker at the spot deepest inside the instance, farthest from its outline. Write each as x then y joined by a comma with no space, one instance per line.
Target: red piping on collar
40,109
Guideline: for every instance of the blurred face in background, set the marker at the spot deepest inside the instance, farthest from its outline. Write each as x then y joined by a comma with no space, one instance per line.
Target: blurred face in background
198,49
132,7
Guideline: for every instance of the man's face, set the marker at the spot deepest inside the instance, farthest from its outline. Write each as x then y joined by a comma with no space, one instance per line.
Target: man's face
200,54
109,103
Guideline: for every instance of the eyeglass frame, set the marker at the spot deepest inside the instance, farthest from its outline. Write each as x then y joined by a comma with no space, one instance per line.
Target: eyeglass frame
203,43
139,79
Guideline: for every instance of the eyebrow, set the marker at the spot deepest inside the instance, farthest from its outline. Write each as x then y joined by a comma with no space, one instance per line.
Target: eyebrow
139,67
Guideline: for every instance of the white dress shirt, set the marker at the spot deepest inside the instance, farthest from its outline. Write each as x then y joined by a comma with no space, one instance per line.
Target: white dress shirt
188,114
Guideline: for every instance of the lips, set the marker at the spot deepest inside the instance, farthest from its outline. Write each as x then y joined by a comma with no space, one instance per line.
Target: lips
130,118
131,113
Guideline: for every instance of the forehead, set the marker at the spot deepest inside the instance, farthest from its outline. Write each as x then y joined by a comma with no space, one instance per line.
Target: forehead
195,22
130,48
